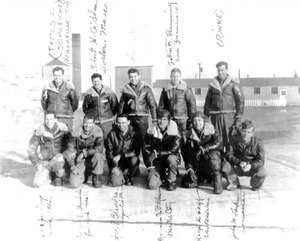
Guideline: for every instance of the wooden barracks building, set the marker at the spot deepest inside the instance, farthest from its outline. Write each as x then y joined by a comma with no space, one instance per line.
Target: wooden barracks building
258,91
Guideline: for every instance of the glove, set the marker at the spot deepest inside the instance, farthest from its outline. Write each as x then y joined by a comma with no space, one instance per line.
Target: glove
117,177
57,163
80,158
75,179
189,180
199,153
153,177
237,124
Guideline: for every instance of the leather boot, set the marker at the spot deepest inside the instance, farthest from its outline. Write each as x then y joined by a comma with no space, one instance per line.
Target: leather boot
97,181
171,186
57,181
217,180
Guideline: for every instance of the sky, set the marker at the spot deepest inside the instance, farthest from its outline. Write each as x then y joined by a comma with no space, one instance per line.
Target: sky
260,38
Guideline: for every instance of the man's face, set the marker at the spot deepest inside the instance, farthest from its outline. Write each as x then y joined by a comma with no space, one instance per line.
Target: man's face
50,120
247,134
58,76
175,78
134,78
97,83
198,123
123,124
163,122
222,72
88,124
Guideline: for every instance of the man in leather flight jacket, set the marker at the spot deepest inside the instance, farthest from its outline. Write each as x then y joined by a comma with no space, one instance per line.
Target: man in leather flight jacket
224,103
136,100
203,148
161,148
122,146
60,97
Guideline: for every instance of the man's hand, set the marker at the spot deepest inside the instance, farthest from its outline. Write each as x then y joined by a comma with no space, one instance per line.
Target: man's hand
80,158
245,166
237,123
116,159
39,167
199,153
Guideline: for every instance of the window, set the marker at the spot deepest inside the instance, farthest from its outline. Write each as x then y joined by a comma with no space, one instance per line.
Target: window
256,90
197,91
274,90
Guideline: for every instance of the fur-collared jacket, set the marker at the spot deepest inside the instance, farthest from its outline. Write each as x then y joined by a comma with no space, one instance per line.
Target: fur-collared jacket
126,146
207,140
164,144
179,101
104,104
228,97
253,153
137,101
63,101
91,142
49,142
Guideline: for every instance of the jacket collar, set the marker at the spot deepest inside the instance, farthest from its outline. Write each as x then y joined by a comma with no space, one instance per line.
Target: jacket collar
91,91
65,84
181,86
172,130
208,129
128,89
216,84
95,131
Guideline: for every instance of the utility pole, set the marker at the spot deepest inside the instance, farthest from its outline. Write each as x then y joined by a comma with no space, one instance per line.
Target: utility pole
200,70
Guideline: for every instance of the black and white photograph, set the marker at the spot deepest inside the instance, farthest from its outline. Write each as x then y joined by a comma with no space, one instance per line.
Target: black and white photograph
150,120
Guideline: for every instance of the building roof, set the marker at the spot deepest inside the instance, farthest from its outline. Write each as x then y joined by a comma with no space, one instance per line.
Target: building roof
273,81
55,62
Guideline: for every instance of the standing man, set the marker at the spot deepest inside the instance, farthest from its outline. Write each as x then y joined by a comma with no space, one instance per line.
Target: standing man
60,96
122,146
137,99
246,157
44,151
102,101
224,102
178,98
89,147
203,148
161,148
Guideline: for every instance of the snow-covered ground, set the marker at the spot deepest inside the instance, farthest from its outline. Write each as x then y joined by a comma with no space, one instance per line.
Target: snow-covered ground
136,213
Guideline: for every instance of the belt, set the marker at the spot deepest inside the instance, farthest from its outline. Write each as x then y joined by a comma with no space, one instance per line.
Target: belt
65,116
213,112
138,114
179,117
104,121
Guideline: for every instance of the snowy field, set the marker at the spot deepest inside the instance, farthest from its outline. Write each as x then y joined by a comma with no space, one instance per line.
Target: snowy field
136,213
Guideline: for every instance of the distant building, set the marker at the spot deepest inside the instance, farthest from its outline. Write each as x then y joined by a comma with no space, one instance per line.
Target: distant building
121,76
47,69
258,91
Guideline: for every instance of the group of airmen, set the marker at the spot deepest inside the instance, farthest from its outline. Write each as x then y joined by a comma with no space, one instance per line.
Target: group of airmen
212,145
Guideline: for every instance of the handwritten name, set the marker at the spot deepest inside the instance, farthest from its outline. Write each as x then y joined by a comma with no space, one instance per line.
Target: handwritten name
164,211
202,217
46,216
83,214
97,37
172,35
118,212
59,34
220,33
238,211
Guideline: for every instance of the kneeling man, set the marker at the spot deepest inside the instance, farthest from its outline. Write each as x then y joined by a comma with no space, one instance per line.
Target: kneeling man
122,147
44,151
246,156
203,148
85,154
161,149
